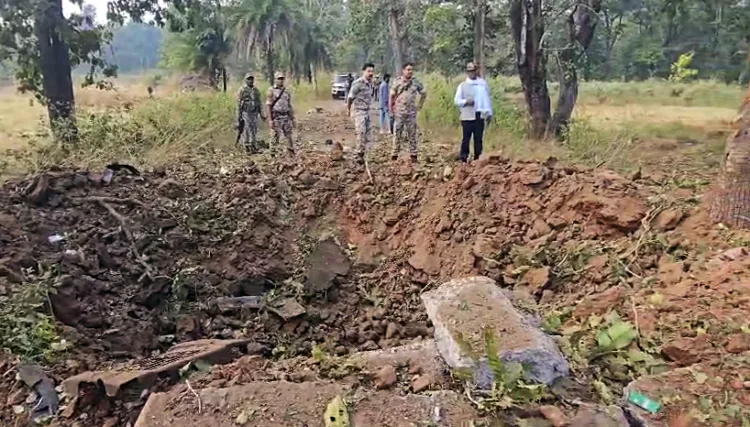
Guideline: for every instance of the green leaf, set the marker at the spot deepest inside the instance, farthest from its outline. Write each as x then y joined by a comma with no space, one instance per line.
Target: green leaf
336,413
621,334
604,340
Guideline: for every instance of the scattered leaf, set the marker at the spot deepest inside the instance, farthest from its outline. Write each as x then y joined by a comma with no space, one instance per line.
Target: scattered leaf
336,414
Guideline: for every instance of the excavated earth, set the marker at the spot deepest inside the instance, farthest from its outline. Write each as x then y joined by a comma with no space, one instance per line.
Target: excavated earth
338,256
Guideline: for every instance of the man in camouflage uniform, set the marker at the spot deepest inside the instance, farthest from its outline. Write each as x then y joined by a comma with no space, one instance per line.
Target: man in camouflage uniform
249,107
358,105
280,113
404,93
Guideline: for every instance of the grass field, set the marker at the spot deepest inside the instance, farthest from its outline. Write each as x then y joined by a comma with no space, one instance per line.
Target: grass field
621,125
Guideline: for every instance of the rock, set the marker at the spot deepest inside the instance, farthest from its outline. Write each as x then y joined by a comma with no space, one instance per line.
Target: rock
554,415
447,172
421,383
538,229
668,219
385,377
287,309
111,422
468,307
622,213
536,279
600,303
171,189
445,224
533,174
391,330
17,397
737,343
686,351
337,152
188,326
39,192
422,259
610,416
326,262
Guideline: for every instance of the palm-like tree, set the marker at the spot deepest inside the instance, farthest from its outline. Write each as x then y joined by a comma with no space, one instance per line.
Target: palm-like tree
261,27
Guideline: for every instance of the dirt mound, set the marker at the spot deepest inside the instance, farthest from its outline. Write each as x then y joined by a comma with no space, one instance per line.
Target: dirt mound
338,257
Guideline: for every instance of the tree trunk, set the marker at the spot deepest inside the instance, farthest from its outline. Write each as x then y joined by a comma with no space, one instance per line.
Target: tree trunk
731,203
527,23
394,27
270,63
56,74
479,18
224,78
314,79
581,25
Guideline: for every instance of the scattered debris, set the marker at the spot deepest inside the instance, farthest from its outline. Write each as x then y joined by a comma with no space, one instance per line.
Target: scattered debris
385,377
46,401
144,372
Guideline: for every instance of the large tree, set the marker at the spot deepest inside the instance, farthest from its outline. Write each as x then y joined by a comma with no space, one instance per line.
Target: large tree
529,26
731,202
44,46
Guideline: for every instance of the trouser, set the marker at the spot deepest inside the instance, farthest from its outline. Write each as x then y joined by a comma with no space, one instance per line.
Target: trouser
385,121
363,130
405,132
282,126
249,136
472,128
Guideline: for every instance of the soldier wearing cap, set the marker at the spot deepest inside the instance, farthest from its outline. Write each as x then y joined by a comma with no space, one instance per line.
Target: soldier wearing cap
403,104
359,103
249,107
473,100
280,113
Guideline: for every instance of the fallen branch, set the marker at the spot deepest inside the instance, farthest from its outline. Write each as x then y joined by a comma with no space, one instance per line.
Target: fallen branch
125,201
367,168
125,229
200,403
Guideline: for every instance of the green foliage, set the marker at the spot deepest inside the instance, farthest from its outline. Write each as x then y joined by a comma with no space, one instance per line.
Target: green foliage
680,70
27,328
135,47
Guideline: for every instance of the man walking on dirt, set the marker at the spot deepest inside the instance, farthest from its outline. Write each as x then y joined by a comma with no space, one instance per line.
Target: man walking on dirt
249,107
358,105
473,99
404,107
281,113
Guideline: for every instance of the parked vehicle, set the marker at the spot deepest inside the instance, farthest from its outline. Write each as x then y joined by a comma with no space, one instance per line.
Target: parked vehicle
338,86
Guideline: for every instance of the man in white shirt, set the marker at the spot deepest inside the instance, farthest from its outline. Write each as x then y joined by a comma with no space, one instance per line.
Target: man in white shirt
473,99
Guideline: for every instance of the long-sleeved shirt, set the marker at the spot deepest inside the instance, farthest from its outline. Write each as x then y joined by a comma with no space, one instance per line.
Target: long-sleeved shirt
479,91
383,96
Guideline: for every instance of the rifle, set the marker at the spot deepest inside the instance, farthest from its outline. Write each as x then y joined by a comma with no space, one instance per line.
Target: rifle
240,129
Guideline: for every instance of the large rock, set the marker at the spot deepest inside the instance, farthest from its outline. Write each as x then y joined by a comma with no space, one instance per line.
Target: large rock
326,262
464,310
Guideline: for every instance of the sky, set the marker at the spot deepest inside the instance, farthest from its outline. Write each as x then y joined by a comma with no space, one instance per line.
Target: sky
101,9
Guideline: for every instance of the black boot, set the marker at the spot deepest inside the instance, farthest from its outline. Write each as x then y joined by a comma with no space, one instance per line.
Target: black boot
394,157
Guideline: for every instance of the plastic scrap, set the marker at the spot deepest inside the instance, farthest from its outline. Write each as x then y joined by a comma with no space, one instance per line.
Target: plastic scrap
644,402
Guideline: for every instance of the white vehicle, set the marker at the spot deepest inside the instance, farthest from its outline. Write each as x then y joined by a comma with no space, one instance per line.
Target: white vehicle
338,86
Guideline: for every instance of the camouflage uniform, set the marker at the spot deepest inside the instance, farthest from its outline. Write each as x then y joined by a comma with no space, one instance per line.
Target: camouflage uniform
406,93
249,106
282,116
361,95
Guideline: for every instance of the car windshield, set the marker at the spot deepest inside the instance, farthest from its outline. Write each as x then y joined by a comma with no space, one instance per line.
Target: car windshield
339,79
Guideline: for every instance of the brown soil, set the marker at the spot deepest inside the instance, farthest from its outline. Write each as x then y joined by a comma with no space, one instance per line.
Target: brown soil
143,257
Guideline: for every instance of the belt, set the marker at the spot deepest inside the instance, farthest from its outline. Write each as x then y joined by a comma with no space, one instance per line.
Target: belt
281,113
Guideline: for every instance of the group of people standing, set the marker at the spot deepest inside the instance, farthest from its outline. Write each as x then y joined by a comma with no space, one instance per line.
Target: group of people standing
280,113
404,99
398,103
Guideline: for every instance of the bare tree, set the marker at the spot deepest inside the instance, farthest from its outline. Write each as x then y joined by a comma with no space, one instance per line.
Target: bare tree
396,9
480,14
528,26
